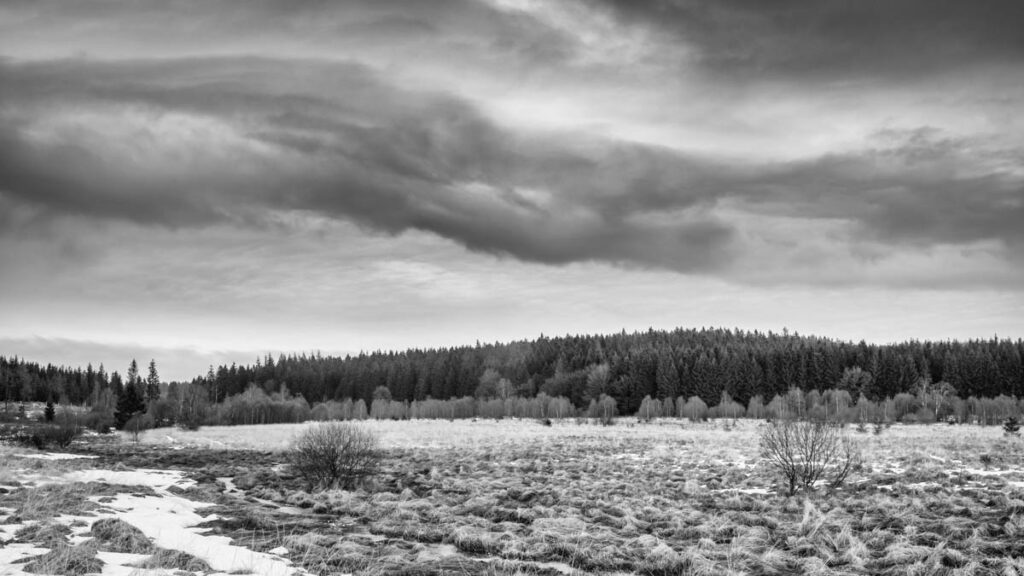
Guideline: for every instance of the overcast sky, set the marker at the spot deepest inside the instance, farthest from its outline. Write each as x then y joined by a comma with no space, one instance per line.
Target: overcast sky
202,181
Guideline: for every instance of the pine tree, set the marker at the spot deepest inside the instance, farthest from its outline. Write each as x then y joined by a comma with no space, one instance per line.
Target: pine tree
152,383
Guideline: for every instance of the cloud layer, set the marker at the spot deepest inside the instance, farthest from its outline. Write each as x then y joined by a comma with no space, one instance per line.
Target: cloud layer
816,145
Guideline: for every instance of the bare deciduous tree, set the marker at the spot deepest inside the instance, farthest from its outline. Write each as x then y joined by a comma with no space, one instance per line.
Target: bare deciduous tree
334,455
807,452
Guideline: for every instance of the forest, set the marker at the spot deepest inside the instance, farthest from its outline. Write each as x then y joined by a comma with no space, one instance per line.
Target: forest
627,367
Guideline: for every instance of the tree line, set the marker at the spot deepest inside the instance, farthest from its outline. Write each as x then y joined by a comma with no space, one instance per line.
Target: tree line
630,366
625,367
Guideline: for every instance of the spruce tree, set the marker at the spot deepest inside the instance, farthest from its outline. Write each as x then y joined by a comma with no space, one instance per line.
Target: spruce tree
49,412
129,404
667,376
152,383
133,372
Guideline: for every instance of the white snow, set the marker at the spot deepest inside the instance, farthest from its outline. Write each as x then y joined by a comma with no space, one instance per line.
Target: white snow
977,472
54,456
168,519
118,564
758,491
229,484
12,553
156,479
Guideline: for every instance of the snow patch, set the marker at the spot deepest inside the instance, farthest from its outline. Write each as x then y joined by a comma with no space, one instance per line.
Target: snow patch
168,519
118,564
11,553
55,456
157,479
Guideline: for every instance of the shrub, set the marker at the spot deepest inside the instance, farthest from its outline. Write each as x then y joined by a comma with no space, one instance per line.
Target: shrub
808,452
695,409
1011,426
99,422
334,455
603,410
43,435
67,428
138,424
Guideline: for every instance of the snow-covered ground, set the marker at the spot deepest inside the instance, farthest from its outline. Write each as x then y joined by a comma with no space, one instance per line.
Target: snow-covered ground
168,519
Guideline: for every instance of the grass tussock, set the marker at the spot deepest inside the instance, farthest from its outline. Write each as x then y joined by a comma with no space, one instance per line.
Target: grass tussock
116,535
43,534
67,561
163,559
43,503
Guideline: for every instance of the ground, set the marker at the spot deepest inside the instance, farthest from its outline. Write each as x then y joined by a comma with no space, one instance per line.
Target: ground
516,497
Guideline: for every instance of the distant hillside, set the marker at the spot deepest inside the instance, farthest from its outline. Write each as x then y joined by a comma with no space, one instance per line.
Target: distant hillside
629,366
626,366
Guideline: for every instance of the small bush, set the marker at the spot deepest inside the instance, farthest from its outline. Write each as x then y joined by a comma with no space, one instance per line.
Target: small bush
42,435
808,452
138,424
1011,426
334,455
99,422
65,431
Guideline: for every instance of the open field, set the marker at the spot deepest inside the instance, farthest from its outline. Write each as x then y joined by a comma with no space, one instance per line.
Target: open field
515,497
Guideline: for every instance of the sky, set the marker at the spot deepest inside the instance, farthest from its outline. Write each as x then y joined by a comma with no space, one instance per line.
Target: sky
207,181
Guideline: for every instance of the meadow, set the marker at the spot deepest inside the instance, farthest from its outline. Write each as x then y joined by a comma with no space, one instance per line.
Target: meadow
517,497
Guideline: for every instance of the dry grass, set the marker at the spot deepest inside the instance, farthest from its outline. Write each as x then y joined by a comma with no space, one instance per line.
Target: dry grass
43,503
43,534
516,497
116,535
659,499
163,559
67,561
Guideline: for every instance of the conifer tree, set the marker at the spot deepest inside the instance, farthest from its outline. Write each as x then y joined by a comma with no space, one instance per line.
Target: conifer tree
116,384
667,376
129,404
133,372
152,383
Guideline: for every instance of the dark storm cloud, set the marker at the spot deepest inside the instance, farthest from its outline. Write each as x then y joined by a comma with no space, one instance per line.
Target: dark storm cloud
837,38
917,186
337,140
350,115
